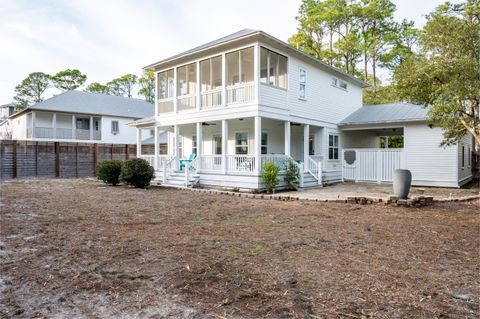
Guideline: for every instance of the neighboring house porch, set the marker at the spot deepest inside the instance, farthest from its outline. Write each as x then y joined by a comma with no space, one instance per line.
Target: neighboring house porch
61,126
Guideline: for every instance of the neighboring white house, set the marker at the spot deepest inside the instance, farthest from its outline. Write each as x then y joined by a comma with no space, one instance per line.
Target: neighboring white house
249,98
78,116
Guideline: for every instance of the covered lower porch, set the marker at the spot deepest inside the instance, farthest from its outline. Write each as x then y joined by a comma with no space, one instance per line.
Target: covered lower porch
232,152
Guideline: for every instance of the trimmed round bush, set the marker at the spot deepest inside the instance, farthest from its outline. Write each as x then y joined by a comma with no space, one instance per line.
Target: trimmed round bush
137,172
109,171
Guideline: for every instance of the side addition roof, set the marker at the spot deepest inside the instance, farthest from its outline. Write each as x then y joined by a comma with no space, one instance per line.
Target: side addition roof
386,113
97,104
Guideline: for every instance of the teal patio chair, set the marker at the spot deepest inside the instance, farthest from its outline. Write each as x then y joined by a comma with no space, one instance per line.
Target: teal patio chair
189,160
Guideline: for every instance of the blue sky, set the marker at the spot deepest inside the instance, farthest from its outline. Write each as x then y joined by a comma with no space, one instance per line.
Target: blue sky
108,38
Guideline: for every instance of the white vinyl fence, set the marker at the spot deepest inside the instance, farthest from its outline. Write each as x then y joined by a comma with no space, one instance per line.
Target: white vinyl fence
371,165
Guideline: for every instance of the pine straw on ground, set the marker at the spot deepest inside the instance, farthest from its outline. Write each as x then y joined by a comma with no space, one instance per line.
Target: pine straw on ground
79,248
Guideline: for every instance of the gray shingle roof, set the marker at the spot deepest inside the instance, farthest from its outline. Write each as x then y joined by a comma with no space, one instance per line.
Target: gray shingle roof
93,103
386,113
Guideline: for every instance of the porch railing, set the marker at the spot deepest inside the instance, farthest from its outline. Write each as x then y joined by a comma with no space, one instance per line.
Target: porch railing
149,158
278,159
212,98
186,102
213,163
43,132
314,167
82,134
165,105
63,133
240,93
241,163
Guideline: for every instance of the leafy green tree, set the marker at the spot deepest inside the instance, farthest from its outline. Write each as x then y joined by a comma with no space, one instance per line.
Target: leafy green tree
147,86
31,90
380,95
96,87
403,41
446,72
68,79
123,86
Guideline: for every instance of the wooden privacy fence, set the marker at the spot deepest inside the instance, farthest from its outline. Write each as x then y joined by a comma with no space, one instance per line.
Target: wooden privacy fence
24,159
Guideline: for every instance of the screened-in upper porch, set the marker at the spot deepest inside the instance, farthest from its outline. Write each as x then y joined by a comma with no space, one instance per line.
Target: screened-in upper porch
226,79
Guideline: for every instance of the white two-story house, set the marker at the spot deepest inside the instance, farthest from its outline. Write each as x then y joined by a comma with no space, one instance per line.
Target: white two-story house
77,116
233,104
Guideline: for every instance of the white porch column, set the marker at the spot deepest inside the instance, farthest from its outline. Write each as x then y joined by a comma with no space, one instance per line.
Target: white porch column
287,138
155,148
199,139
91,128
176,149
54,125
139,142
224,80
224,145
175,106
258,143
198,98
33,123
306,136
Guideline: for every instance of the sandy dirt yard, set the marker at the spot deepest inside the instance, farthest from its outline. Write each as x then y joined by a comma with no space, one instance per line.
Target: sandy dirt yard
80,249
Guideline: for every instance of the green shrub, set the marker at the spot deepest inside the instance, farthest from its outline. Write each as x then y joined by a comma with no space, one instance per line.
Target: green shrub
292,174
270,176
137,172
109,171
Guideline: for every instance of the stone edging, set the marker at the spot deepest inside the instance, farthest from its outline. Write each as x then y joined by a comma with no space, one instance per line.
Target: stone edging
423,200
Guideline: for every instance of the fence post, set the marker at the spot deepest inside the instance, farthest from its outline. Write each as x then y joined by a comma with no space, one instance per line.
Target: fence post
2,156
127,152
111,152
14,159
57,159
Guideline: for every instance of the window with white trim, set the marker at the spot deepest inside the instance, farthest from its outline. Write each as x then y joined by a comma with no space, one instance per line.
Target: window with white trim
333,147
339,84
115,128
264,143
303,83
241,143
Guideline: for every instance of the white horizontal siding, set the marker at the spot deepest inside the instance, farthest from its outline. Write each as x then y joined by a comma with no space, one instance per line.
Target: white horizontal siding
428,162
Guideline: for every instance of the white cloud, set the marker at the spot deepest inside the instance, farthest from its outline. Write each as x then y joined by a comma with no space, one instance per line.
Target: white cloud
108,38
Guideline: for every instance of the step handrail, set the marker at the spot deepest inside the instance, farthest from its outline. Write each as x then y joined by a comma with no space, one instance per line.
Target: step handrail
315,169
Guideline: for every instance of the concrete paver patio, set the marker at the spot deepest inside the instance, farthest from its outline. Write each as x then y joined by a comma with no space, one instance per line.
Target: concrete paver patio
350,189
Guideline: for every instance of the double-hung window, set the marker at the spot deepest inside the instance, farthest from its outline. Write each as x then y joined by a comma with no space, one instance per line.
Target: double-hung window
332,147
83,124
463,156
241,143
303,83
115,128
264,143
